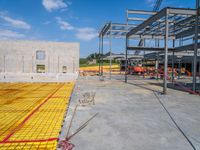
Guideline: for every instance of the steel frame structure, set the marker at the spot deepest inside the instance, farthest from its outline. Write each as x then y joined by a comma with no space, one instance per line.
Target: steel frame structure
172,30
111,30
176,25
117,30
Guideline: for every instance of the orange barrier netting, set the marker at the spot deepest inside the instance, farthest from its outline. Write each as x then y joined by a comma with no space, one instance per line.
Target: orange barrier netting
31,115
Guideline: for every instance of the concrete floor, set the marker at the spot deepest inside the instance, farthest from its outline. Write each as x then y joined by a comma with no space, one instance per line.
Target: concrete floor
131,118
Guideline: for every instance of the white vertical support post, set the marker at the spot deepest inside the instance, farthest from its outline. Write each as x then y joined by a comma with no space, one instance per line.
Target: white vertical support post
144,45
58,64
126,63
110,47
53,65
32,65
17,64
102,56
99,56
157,58
179,68
157,62
48,64
126,59
166,54
4,63
23,64
73,65
173,64
157,55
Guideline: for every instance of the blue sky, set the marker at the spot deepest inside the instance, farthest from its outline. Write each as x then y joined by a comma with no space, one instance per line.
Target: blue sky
70,20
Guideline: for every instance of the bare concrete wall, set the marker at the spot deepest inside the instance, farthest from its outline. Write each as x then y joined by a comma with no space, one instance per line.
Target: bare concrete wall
20,56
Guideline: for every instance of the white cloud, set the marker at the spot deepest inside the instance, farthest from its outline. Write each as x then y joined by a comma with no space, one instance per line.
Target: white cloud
106,43
86,34
16,23
8,34
151,2
63,24
51,5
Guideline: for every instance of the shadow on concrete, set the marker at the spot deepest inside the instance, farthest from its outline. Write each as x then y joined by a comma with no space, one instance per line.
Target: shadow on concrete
184,87
144,87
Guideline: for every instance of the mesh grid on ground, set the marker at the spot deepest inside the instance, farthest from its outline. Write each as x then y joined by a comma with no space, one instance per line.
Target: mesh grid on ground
31,114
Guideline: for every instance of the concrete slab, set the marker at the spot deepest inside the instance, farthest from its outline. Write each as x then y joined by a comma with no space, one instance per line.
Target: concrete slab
130,116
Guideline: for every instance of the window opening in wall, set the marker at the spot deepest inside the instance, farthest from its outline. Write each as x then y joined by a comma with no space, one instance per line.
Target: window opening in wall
40,55
64,69
40,68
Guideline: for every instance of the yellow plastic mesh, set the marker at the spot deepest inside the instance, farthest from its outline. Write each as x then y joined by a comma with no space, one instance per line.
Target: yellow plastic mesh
31,114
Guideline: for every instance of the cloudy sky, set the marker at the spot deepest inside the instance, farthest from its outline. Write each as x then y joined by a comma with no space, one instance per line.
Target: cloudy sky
69,20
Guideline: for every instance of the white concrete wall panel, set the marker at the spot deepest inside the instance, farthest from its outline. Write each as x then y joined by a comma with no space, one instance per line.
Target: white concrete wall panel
20,57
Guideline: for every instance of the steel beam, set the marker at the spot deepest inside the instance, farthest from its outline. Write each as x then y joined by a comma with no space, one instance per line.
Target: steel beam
159,15
148,22
141,12
160,37
188,19
186,33
105,29
123,25
118,30
136,19
100,33
149,48
181,11
189,47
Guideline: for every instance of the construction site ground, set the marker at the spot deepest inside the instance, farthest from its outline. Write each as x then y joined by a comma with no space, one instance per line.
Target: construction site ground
131,117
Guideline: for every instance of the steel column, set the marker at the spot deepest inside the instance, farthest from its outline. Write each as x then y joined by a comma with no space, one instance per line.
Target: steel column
99,57
195,46
110,47
126,61
166,54
199,70
102,56
179,69
173,65
157,58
